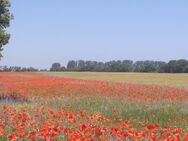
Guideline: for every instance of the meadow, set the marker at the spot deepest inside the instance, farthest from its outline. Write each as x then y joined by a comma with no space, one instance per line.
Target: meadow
59,106
163,79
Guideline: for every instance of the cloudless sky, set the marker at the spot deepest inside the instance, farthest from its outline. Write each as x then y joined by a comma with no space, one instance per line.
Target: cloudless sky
48,31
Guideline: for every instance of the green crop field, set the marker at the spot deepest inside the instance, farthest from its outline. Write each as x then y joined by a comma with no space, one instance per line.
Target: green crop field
177,80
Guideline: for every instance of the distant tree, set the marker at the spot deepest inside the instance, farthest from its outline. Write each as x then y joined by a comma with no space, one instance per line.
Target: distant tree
72,65
31,69
185,70
149,66
138,66
107,66
100,67
127,66
43,70
181,65
160,66
17,69
81,65
5,17
63,68
115,66
176,66
1,68
5,68
173,66
24,69
56,67
90,65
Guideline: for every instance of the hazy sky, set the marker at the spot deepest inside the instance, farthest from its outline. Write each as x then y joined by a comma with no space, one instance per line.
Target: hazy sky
47,31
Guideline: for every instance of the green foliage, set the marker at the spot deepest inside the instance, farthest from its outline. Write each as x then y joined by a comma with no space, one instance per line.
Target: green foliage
17,69
173,66
5,17
166,114
57,67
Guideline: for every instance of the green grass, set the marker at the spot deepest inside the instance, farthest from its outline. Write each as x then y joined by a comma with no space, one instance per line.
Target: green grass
176,80
165,114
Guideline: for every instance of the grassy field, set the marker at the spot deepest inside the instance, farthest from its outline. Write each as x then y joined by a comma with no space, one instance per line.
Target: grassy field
177,80
40,107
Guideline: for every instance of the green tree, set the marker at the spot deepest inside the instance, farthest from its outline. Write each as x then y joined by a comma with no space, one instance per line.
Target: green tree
56,67
5,17
72,65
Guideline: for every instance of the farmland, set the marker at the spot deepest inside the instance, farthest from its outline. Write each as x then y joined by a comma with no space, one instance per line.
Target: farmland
42,106
163,79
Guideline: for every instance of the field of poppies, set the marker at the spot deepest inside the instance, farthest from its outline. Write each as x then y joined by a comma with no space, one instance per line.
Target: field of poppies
37,107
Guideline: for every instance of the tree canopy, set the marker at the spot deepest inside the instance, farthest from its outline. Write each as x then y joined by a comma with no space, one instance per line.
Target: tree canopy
5,17
173,66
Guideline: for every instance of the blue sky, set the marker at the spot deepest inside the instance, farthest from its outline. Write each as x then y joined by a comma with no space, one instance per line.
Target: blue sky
47,31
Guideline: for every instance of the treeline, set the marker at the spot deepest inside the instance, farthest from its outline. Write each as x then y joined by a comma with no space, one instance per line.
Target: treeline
17,69
173,66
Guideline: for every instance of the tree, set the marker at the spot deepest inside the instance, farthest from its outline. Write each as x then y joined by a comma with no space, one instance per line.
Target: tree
127,65
5,17
72,65
186,69
177,66
56,67
81,65
149,66
138,66
63,68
